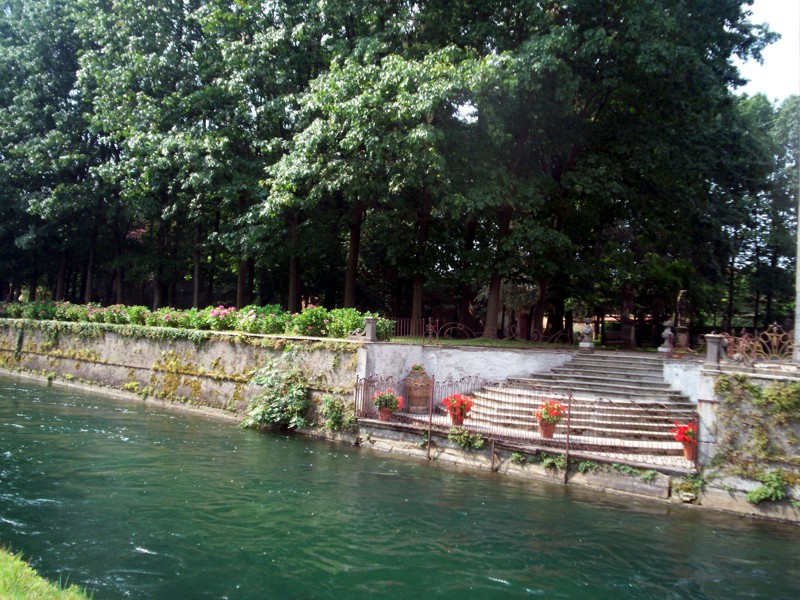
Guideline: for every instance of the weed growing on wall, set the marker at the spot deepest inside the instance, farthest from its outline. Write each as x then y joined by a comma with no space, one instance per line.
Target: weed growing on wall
757,427
466,439
757,435
337,415
285,399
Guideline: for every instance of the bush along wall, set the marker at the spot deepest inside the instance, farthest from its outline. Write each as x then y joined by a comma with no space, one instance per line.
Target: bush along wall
203,367
313,321
758,437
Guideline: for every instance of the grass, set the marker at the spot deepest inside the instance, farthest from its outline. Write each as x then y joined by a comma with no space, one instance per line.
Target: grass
19,581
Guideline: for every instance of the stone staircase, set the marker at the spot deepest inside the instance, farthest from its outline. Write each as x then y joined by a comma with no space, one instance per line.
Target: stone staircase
615,376
619,400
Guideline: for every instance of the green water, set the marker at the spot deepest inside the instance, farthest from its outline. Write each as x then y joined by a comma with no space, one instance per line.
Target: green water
136,502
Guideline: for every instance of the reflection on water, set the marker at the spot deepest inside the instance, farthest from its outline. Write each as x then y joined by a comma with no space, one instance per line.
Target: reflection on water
136,502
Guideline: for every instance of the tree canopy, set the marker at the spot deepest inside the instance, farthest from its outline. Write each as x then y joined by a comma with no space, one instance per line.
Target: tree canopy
464,160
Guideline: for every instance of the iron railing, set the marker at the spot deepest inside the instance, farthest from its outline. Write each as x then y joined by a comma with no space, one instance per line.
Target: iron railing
434,331
600,429
771,346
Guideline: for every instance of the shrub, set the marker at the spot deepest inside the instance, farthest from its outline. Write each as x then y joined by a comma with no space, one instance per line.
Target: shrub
222,318
137,314
338,415
313,321
117,313
284,401
343,321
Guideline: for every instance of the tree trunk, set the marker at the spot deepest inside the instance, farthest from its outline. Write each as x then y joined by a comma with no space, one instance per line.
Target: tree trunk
628,329
88,284
492,307
61,278
120,285
756,310
537,316
212,267
495,280
34,283
293,303
351,275
423,230
465,317
196,257
241,283
728,319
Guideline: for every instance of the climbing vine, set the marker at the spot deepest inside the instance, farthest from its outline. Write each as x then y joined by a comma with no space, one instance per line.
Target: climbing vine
758,429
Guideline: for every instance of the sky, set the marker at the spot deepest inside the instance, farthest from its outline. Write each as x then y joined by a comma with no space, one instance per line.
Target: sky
779,76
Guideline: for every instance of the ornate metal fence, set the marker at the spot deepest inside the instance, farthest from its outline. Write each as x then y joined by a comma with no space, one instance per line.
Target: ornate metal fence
433,331
771,346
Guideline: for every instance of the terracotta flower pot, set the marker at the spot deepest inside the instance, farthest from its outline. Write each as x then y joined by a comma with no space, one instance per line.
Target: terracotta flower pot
385,414
457,419
546,429
690,451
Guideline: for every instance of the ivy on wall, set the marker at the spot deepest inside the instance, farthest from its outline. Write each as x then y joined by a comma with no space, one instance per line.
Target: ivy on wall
758,428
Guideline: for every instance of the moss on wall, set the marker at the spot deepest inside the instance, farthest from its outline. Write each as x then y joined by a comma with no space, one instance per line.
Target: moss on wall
198,367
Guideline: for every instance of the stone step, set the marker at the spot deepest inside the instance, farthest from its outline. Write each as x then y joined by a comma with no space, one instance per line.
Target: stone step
624,374
592,377
497,399
608,390
533,398
616,365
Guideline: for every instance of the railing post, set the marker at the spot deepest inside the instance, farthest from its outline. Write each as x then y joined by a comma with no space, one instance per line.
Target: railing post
371,329
713,347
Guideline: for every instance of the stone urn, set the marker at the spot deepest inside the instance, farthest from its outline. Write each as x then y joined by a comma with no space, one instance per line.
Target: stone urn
419,386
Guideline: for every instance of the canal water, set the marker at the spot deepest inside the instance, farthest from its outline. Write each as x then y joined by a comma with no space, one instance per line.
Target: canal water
132,501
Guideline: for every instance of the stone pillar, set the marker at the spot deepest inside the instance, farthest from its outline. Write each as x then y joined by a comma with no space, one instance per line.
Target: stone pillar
371,329
713,348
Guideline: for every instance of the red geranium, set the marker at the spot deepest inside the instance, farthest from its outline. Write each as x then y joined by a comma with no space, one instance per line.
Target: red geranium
686,434
388,399
457,405
550,412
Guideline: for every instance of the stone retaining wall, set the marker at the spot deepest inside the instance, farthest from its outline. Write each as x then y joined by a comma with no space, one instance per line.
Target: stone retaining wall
204,368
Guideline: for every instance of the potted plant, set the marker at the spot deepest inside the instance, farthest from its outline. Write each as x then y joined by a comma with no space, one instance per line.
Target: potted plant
686,434
549,415
387,402
419,386
458,407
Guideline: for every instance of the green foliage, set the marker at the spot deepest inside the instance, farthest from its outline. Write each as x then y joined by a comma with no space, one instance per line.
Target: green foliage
756,425
466,439
648,476
313,321
625,469
337,415
284,401
19,580
343,321
774,488
403,149
557,462
518,458
693,483
587,466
